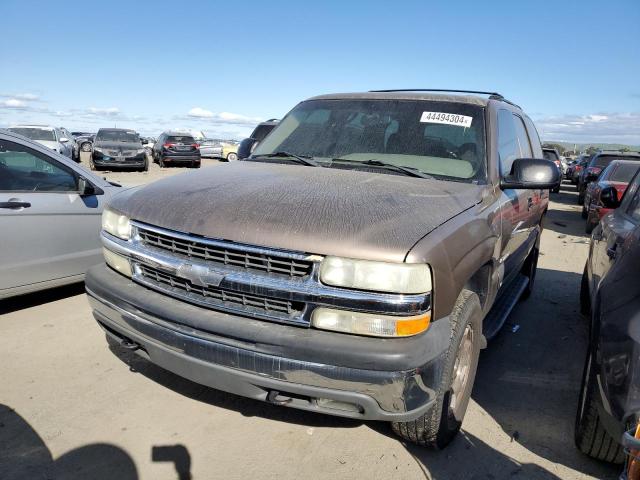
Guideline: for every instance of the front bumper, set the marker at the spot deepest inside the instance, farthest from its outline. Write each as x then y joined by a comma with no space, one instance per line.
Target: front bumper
337,374
137,161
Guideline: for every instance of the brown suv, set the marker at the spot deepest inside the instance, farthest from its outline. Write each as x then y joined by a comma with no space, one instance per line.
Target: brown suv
354,265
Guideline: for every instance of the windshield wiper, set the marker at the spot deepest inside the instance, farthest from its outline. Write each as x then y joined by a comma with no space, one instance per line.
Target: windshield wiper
303,159
410,171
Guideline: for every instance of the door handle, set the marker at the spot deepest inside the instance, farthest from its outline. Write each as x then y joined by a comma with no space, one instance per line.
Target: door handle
612,251
14,205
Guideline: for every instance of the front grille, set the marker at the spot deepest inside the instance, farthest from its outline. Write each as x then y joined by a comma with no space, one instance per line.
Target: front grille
219,297
226,255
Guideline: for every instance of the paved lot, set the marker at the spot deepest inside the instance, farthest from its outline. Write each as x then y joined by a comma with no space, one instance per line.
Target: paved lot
71,408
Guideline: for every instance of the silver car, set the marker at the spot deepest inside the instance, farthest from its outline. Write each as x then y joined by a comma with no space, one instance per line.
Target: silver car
50,210
210,148
50,137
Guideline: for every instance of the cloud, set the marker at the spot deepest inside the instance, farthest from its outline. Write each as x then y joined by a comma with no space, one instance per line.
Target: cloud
592,128
31,97
222,117
14,103
200,113
111,111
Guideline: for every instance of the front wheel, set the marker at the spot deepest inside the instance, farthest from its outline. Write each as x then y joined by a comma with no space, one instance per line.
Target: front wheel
232,157
438,427
85,147
590,436
529,269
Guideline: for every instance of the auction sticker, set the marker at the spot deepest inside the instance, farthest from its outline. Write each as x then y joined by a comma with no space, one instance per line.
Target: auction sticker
446,119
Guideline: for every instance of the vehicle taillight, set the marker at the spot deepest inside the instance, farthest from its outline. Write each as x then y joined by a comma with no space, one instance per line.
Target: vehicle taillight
557,162
195,145
578,168
594,170
168,145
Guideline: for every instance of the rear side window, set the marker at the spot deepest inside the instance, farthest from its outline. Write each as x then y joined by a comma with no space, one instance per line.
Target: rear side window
508,149
523,138
624,172
536,146
604,160
180,139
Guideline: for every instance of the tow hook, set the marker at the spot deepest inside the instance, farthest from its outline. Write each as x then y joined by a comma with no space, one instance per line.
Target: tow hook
272,397
129,345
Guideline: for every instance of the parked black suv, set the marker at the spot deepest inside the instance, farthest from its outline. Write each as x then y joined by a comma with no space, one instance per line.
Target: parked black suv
597,164
118,147
259,133
610,297
176,147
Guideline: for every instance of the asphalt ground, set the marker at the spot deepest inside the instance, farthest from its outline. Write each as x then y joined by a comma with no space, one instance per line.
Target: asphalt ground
72,408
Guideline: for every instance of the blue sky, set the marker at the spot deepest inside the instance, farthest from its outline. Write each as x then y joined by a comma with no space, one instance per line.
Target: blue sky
574,66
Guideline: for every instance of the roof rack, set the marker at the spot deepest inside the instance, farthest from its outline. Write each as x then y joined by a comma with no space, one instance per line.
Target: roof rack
492,95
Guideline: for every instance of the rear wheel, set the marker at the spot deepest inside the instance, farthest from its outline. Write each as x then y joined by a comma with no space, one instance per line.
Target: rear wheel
585,212
590,436
145,167
85,147
92,165
161,162
529,269
590,225
232,157
585,300
439,426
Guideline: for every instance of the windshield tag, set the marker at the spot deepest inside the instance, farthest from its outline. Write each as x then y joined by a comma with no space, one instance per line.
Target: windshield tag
446,119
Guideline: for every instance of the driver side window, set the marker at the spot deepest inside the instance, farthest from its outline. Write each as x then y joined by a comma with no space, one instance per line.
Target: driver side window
25,170
508,148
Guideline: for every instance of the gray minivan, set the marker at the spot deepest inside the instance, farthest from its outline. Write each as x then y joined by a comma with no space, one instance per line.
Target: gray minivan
50,209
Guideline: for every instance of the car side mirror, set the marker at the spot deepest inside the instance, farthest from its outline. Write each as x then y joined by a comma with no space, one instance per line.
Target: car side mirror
531,173
591,177
64,140
609,197
86,188
145,141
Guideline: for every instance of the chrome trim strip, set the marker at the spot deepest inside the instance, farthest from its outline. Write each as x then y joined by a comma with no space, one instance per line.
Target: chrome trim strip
219,243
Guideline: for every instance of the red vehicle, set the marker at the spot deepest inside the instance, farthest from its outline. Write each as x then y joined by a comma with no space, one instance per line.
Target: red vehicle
612,182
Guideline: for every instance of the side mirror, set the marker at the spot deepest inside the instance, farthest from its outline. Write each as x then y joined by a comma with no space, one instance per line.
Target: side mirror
145,141
86,188
531,173
64,140
609,197
246,147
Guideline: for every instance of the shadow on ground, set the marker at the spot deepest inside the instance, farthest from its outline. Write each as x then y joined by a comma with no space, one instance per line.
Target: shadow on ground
24,455
39,298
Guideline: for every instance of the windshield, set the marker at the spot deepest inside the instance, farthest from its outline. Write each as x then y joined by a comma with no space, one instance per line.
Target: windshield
624,172
127,136
604,160
439,138
43,134
550,155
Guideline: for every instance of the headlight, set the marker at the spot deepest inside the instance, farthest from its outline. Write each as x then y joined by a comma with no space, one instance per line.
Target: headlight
370,324
140,150
376,276
116,224
96,149
117,262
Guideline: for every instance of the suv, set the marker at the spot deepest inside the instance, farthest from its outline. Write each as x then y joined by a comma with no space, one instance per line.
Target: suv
354,265
176,147
259,133
118,147
553,155
609,400
598,163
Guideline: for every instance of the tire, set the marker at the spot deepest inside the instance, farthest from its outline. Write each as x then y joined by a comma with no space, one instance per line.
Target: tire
439,426
92,165
161,162
529,269
585,299
589,226
85,147
590,436
145,168
585,212
232,157
580,196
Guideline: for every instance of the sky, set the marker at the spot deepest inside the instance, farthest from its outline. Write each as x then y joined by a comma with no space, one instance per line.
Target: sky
223,66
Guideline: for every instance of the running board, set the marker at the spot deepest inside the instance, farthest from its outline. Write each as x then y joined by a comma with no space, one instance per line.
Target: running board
500,311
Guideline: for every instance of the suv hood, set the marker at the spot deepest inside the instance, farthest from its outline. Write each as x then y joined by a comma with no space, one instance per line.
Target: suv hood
323,211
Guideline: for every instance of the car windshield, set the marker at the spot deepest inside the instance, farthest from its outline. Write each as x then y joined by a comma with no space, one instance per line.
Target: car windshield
604,160
624,172
127,136
43,134
180,139
443,139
